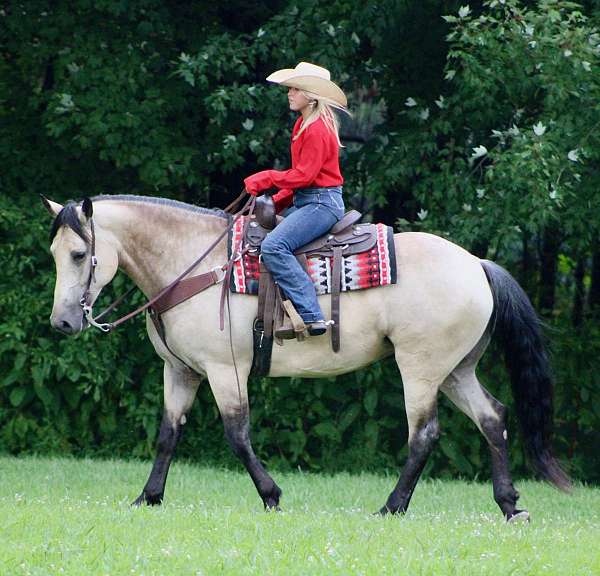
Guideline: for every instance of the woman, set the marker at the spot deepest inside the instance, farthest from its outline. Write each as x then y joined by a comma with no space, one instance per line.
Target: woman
313,184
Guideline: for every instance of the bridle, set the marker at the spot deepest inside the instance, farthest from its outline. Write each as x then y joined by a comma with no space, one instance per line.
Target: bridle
86,299
215,276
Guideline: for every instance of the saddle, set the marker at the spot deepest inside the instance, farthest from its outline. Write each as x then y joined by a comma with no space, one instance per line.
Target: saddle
365,251
345,238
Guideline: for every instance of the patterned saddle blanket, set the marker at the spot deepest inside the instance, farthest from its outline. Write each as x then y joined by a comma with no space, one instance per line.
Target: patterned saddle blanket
374,266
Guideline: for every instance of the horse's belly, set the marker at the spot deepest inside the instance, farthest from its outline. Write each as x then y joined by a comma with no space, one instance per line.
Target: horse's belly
362,340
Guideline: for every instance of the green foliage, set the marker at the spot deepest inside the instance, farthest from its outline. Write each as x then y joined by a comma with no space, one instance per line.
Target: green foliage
482,127
512,144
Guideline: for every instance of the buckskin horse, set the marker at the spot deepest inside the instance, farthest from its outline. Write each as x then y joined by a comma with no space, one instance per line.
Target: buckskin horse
437,322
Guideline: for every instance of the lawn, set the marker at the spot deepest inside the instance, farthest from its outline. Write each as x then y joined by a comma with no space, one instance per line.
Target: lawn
61,516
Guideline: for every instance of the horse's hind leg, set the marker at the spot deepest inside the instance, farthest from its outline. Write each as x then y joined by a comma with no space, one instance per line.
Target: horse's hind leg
180,386
423,431
235,412
465,390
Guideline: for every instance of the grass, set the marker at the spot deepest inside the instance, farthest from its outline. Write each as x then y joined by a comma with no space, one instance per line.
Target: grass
65,516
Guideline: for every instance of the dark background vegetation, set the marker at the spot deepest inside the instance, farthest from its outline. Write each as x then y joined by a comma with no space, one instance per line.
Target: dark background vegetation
482,126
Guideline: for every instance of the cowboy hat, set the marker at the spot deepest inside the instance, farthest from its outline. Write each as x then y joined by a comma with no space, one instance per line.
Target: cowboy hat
312,78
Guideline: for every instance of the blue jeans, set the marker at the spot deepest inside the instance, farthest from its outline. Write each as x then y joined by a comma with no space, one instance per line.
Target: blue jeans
314,212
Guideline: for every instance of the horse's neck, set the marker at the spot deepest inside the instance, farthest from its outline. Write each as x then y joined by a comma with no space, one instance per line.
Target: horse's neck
156,243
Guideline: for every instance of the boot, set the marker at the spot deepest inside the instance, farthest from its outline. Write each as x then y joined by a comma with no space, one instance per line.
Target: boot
318,328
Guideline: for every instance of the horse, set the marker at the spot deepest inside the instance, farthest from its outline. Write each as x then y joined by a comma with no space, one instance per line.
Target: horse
437,321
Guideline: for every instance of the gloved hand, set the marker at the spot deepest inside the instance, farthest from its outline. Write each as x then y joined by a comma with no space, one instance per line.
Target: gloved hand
252,185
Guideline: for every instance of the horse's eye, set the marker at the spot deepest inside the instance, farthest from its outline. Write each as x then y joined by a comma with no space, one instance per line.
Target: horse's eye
78,256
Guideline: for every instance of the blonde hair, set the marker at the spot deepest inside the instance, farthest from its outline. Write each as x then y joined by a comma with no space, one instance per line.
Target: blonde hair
323,107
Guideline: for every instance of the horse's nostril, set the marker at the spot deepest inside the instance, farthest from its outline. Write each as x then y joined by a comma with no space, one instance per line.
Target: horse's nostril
65,326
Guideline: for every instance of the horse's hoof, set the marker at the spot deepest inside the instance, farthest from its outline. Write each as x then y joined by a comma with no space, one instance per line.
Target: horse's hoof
144,498
385,510
518,517
271,501
138,501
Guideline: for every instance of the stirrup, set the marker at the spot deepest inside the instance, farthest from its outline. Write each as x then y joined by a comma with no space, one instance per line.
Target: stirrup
285,331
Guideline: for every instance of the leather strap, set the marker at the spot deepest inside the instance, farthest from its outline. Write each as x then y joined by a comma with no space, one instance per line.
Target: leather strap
352,244
266,289
224,292
262,290
185,290
347,220
160,329
336,280
279,314
230,207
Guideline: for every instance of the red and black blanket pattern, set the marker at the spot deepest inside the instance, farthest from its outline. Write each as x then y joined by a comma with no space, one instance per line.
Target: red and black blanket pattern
375,267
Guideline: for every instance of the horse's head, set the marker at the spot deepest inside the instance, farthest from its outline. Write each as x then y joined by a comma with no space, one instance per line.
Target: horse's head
85,263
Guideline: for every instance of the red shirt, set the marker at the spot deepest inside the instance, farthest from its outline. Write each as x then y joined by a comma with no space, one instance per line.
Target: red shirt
315,163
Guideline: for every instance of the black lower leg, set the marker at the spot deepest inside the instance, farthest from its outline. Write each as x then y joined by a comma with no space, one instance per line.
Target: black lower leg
419,448
238,436
505,494
167,441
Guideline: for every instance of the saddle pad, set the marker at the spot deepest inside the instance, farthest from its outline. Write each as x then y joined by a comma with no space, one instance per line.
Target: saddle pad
375,267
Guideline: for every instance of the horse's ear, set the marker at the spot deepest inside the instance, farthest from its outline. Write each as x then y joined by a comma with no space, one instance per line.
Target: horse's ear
87,208
53,207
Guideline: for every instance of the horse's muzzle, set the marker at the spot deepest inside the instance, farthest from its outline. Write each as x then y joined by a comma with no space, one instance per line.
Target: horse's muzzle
68,324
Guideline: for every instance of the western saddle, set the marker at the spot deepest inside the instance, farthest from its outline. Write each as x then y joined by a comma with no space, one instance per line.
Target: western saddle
345,238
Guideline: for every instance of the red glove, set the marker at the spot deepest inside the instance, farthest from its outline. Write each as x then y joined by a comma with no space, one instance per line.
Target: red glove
256,183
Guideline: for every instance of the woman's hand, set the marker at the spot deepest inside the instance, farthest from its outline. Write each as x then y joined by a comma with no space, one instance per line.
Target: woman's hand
252,184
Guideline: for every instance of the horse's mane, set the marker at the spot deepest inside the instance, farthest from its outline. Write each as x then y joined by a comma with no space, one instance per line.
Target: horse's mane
68,215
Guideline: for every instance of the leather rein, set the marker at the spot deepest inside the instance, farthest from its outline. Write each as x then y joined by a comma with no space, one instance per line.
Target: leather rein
161,300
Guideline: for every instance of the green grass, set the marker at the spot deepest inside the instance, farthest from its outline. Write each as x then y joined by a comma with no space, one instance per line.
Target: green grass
73,517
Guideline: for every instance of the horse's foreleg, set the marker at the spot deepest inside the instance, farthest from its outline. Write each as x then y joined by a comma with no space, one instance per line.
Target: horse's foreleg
423,432
180,388
234,409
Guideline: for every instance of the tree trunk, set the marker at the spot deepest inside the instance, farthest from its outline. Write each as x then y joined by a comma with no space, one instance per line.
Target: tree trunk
579,296
527,264
480,248
594,294
549,266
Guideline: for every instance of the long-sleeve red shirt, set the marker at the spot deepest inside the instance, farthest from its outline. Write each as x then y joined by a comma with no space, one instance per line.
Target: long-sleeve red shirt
315,163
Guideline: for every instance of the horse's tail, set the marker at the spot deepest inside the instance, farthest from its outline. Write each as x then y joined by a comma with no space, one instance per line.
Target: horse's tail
520,331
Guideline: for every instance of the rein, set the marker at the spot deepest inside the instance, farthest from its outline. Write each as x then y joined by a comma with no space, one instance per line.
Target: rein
215,276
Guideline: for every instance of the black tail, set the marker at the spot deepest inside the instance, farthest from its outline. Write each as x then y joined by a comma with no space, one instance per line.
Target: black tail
520,332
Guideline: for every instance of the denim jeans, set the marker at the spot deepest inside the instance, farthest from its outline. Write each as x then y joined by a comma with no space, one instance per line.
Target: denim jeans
314,212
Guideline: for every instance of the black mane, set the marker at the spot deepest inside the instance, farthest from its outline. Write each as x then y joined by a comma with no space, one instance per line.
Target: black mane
68,215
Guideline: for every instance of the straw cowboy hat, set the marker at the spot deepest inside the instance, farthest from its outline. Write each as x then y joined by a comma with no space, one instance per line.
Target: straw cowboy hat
312,78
